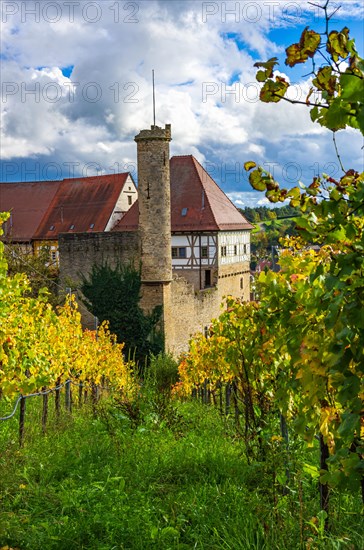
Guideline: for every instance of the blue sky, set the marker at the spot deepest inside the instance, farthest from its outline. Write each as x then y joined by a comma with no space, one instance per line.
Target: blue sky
76,88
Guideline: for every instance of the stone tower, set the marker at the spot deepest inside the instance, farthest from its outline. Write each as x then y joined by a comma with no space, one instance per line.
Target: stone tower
155,221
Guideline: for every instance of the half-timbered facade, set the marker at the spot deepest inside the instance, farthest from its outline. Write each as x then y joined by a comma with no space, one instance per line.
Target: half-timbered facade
210,238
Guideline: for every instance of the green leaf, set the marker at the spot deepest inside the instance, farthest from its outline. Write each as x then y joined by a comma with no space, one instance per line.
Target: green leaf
313,471
273,91
352,87
294,193
314,113
261,76
350,389
326,80
272,195
337,115
307,47
349,425
360,119
337,44
256,181
249,165
268,66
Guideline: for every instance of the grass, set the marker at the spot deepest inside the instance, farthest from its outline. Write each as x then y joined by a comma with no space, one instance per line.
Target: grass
169,477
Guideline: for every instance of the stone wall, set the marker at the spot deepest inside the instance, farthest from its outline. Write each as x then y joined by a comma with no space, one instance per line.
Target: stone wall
234,279
192,311
79,252
186,310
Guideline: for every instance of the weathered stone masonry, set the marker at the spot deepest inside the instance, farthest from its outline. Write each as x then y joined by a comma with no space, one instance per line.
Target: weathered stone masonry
186,309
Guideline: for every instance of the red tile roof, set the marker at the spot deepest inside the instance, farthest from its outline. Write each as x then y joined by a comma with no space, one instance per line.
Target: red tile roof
28,203
39,206
197,202
81,205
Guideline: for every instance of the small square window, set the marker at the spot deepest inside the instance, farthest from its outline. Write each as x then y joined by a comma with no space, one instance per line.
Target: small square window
223,251
184,211
204,252
130,200
179,252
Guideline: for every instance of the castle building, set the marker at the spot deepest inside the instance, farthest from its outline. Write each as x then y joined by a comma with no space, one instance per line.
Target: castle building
193,244
41,210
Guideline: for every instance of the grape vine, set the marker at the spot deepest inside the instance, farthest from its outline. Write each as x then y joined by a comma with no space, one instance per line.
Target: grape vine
41,346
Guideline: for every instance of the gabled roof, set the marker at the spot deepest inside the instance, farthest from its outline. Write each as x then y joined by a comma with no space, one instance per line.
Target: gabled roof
82,205
27,202
197,202
43,209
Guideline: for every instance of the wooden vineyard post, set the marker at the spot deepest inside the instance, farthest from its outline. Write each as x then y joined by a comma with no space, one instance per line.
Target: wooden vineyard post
235,400
58,399
21,420
324,489
220,397
284,434
227,398
94,397
80,394
68,396
44,410
206,393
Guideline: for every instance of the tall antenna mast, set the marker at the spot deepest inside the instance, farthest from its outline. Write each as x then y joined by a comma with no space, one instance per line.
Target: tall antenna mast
153,98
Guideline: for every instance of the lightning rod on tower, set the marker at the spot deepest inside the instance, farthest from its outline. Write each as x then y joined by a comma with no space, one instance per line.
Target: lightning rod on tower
153,97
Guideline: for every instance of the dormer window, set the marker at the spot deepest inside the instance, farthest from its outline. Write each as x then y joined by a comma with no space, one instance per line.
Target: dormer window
71,227
184,211
51,228
92,226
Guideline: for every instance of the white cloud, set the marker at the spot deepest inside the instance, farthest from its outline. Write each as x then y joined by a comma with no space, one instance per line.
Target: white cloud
205,80
252,199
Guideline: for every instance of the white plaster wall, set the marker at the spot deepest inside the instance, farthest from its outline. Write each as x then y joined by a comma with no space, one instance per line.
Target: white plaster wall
122,205
230,239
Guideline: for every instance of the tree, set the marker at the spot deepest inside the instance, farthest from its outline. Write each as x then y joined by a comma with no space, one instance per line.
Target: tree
37,267
113,295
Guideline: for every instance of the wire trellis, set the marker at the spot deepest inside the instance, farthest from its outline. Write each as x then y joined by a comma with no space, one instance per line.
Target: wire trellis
21,401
